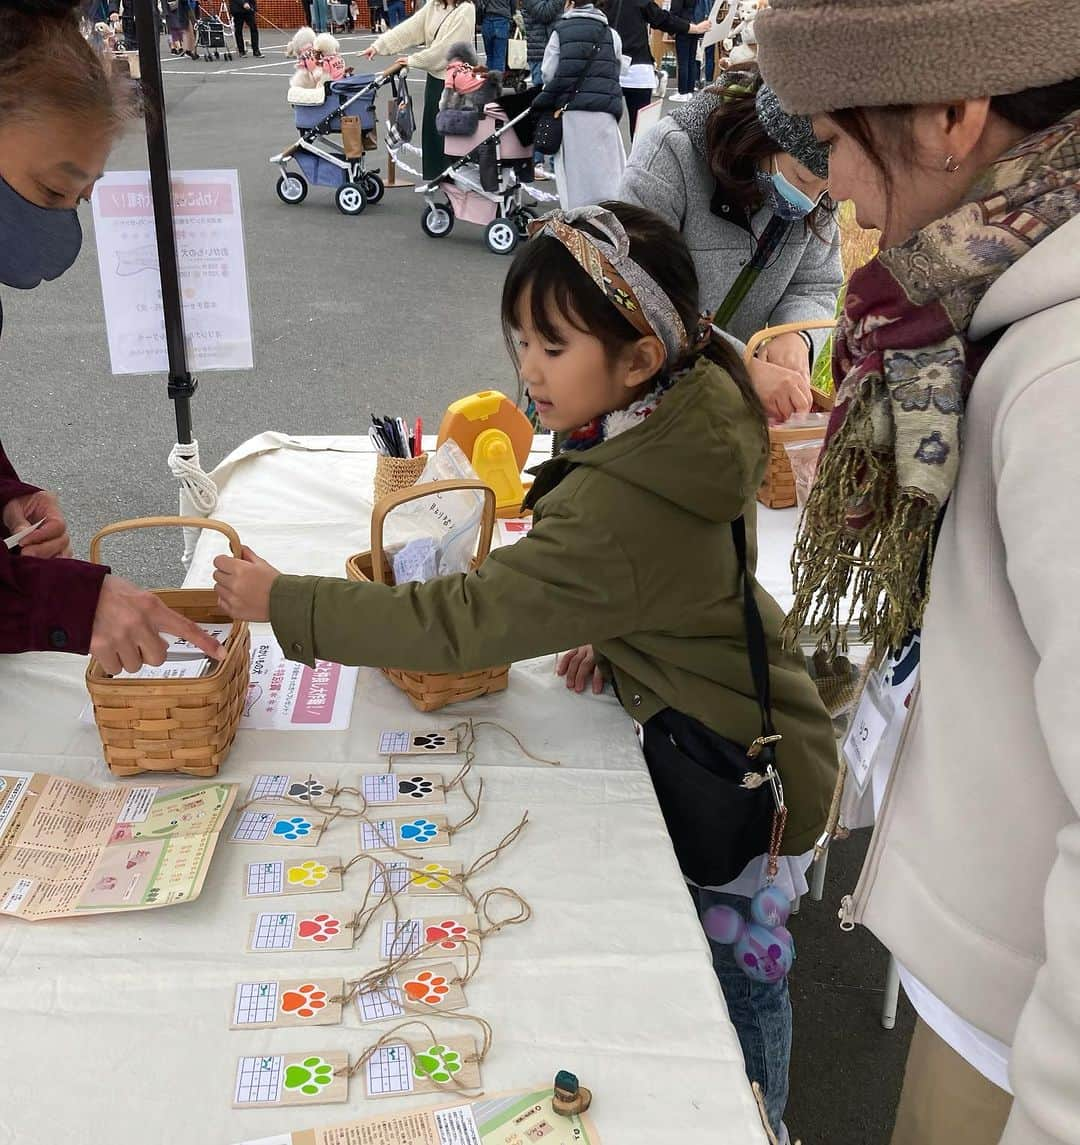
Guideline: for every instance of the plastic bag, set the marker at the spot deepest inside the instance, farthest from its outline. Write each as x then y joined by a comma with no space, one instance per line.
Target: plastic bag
451,519
803,457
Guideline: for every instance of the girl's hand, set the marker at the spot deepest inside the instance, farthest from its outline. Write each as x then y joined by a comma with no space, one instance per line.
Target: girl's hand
782,392
369,53
789,351
401,62
243,586
578,666
701,28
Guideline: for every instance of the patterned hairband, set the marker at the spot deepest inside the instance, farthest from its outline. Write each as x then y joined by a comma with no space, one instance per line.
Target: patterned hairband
606,260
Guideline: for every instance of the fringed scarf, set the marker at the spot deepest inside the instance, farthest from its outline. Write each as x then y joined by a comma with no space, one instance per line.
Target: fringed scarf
903,367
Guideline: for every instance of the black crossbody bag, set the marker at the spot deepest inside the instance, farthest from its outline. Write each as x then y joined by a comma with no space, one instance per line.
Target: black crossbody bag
717,801
547,137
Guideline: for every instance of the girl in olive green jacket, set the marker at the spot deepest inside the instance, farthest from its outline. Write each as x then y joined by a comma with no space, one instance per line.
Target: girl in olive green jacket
632,559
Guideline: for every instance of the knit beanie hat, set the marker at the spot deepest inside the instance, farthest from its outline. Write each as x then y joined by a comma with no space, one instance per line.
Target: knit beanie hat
791,133
820,55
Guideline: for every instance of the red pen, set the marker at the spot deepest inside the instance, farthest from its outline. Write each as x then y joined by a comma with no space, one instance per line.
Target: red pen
418,446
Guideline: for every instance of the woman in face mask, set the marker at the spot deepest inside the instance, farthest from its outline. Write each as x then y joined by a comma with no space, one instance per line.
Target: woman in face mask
728,170
54,140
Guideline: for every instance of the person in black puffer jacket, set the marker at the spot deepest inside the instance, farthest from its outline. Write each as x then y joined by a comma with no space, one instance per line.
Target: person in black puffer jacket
581,75
540,19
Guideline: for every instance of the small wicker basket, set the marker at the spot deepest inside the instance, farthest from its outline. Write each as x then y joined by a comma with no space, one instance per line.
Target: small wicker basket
778,487
394,473
430,691
173,725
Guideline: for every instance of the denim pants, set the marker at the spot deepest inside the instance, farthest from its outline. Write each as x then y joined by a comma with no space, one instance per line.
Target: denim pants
496,33
759,1011
686,54
320,15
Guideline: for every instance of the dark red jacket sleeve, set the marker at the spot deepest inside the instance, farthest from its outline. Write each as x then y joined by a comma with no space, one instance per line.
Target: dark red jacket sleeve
44,605
10,485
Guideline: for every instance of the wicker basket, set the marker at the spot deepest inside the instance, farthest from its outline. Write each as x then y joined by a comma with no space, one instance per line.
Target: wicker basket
429,691
778,488
173,725
395,473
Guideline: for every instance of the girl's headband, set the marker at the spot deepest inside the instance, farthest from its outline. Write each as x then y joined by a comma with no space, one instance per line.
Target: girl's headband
606,260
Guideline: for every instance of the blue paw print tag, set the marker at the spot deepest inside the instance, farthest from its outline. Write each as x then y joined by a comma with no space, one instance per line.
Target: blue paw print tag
419,831
295,828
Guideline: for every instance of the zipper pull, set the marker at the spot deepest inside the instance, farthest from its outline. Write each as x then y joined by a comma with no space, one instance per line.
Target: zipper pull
846,914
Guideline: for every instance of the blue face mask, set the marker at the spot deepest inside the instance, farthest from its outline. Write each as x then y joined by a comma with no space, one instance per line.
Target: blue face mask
783,198
36,243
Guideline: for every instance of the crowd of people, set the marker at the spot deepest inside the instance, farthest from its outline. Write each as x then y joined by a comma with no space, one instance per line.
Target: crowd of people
940,516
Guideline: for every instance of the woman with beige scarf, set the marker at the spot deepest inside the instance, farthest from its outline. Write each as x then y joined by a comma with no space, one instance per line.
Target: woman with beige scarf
946,503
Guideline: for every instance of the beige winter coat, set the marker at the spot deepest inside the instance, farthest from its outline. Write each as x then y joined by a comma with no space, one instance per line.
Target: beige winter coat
973,878
435,28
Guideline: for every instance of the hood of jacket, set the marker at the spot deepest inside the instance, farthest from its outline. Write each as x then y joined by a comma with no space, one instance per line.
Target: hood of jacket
702,449
1048,275
693,116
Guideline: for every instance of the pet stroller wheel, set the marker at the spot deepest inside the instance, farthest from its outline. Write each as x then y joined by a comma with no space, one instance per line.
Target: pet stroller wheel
522,218
292,189
437,220
501,236
350,199
374,187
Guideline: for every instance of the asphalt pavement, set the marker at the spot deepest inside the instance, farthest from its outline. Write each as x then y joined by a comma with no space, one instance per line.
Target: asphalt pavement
352,315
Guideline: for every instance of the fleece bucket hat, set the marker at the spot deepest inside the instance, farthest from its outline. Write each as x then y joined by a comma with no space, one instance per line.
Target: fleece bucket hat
820,55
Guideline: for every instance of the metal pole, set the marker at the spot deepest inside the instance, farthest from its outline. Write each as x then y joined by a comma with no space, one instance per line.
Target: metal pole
181,384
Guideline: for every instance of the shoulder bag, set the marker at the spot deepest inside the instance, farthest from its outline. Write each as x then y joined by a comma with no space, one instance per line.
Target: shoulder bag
715,794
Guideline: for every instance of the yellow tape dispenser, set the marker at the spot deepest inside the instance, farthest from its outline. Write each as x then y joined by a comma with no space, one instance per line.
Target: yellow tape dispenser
496,437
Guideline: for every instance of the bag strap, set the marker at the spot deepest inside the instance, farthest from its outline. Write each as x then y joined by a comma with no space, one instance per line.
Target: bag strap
765,753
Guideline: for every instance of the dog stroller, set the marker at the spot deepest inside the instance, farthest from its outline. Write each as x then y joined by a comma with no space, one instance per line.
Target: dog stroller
486,184
322,161
210,34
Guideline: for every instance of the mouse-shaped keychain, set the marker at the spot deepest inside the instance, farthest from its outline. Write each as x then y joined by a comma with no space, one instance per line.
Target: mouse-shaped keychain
764,947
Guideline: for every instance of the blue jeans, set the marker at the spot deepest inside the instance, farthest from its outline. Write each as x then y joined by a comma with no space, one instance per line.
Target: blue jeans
395,12
759,1011
686,55
496,33
710,63
320,15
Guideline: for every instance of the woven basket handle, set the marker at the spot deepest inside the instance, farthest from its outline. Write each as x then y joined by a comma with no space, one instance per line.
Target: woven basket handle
822,400
165,523
414,493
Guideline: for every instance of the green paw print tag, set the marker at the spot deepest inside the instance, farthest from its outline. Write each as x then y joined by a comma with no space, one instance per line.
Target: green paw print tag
437,1063
311,1077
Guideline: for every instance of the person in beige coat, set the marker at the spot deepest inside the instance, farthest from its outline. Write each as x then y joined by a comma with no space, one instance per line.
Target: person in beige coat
946,505
430,32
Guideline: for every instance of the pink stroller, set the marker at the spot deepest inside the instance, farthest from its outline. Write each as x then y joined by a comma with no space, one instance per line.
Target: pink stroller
486,184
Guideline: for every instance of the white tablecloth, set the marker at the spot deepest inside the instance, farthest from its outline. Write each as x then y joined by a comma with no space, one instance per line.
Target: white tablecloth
115,1027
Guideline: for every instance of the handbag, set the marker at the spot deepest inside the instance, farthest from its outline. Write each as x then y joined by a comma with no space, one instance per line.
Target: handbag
715,794
547,138
457,120
401,122
517,51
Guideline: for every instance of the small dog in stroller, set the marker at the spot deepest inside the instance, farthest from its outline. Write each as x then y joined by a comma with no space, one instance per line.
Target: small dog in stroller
469,87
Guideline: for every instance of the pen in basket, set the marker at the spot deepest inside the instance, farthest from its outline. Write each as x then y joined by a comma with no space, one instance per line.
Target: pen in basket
392,438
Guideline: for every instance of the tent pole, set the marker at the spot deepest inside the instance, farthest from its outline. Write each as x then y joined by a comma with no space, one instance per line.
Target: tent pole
181,384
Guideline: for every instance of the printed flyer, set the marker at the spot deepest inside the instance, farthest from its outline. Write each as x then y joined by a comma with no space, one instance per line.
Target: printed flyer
213,271
69,848
510,1119
286,696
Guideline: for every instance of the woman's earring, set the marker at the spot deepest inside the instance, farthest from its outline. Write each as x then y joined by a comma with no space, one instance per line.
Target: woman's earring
951,165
